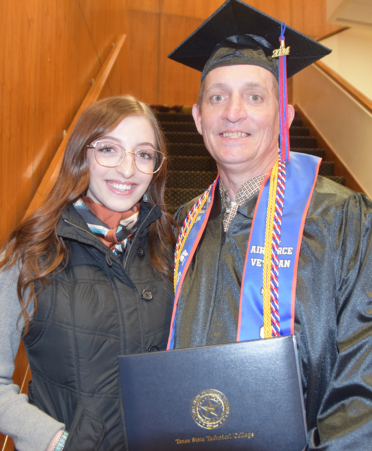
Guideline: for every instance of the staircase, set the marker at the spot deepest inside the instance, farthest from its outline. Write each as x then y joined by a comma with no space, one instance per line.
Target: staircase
191,169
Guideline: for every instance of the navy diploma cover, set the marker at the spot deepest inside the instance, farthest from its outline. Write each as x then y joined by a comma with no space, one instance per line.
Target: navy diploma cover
235,396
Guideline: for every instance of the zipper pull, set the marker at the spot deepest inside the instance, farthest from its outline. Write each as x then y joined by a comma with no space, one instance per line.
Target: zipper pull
223,238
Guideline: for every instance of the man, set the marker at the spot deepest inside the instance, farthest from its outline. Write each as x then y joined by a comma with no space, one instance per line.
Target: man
249,268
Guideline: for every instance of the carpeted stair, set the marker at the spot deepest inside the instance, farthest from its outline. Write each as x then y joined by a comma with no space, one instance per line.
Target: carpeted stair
190,167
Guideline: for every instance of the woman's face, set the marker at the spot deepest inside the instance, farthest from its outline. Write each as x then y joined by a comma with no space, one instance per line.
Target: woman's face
122,187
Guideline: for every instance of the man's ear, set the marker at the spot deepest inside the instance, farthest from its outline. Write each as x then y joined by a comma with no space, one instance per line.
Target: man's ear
290,115
197,117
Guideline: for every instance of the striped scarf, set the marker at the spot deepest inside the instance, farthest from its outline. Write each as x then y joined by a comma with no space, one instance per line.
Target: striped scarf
112,227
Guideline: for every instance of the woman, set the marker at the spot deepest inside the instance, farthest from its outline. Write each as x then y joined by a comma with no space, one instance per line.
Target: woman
86,278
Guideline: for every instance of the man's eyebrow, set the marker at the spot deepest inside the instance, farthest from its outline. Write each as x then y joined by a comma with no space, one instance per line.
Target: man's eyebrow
248,84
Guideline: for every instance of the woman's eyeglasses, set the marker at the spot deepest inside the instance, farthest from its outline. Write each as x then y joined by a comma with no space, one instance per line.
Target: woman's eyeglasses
110,154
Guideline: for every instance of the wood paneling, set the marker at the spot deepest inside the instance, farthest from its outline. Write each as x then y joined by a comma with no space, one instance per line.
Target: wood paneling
67,62
17,72
93,94
190,8
145,5
280,10
143,55
49,53
178,84
309,17
105,24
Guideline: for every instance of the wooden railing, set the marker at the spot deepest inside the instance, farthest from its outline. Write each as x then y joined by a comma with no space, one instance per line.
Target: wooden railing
52,172
22,370
350,89
364,101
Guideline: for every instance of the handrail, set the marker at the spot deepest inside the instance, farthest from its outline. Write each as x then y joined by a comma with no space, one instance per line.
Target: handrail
52,172
363,100
331,33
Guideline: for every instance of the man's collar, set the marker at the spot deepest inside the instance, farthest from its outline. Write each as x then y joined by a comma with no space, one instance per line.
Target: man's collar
247,190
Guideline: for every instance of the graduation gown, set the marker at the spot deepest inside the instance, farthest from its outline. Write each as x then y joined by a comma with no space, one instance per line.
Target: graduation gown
333,309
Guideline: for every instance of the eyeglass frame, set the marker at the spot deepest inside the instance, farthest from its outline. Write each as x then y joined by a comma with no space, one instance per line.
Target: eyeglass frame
93,146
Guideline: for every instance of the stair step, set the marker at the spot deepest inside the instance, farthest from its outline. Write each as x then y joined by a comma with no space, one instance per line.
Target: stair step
315,152
303,142
178,127
297,122
327,168
299,131
171,209
179,196
174,117
176,149
190,179
183,137
191,163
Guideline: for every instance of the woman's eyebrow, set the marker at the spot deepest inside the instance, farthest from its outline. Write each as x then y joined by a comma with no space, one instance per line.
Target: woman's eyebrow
145,144
112,138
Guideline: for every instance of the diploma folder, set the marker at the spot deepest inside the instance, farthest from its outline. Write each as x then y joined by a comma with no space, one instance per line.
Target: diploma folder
239,396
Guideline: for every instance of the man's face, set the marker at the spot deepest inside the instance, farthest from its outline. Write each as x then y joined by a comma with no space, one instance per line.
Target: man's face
239,118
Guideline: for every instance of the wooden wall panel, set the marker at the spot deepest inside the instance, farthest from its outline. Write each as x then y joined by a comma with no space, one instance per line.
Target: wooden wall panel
67,62
17,110
106,20
190,8
143,55
309,17
178,84
49,53
145,5
280,10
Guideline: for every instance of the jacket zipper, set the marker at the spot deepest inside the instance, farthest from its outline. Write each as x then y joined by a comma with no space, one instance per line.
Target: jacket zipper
91,234
135,236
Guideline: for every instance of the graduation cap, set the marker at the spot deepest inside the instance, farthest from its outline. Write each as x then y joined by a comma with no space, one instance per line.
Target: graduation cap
234,32
239,34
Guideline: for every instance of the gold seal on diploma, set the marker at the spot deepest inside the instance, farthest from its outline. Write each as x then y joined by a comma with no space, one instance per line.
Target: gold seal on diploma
210,409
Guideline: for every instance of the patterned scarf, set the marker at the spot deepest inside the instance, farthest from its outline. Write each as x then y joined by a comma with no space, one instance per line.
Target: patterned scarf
112,227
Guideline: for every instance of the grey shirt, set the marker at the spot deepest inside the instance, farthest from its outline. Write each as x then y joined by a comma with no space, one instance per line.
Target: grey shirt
30,428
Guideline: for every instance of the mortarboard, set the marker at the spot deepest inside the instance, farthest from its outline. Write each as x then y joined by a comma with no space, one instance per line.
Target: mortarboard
239,34
236,26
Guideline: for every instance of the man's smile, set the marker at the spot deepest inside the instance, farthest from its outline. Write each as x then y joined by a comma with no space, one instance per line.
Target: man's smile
234,135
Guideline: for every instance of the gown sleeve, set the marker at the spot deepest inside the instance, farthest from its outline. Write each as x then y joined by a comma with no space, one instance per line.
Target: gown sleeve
344,420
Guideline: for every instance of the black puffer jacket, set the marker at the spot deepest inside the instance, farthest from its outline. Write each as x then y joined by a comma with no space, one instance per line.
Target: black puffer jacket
95,309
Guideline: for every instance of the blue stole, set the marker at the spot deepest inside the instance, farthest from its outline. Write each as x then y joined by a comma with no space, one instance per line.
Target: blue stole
301,175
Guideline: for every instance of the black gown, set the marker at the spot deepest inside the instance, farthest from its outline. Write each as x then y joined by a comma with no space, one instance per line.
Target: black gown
333,310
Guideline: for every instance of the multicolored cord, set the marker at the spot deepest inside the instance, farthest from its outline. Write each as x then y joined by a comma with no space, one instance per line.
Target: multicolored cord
186,228
271,314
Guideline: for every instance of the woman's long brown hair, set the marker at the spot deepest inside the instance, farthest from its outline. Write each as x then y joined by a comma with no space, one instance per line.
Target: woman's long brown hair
35,246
